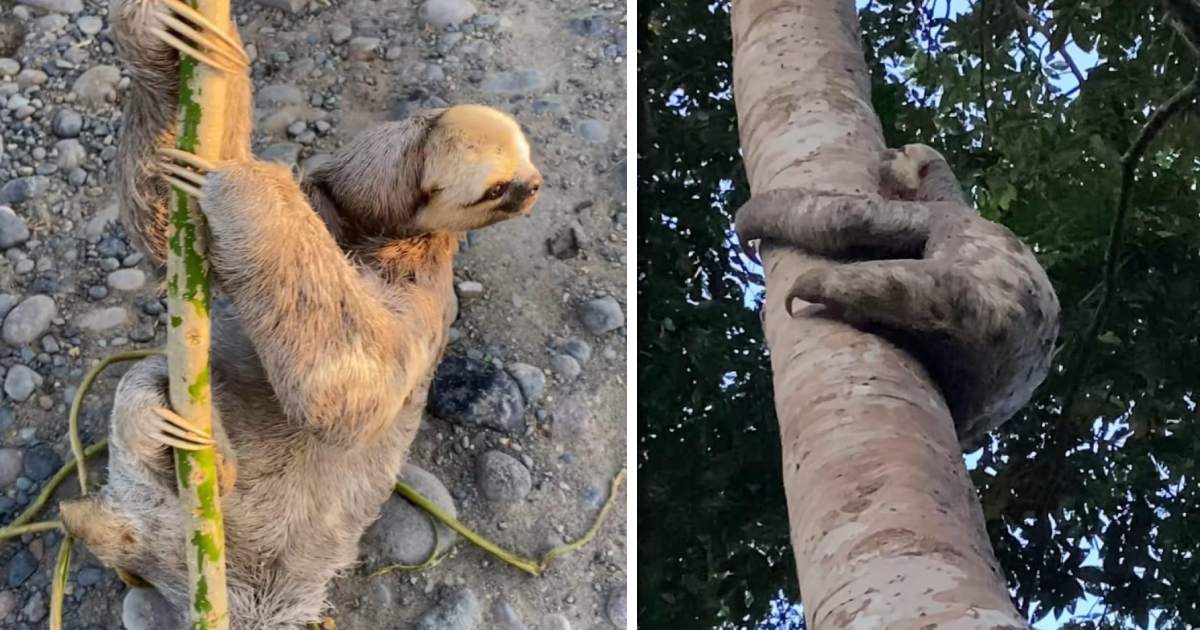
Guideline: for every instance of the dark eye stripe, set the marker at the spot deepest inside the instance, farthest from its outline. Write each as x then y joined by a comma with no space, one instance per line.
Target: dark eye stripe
494,193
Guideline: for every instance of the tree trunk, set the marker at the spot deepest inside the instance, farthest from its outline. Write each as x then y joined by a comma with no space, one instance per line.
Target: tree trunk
885,523
201,126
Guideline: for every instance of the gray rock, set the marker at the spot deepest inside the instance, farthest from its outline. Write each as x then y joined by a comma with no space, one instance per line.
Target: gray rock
11,465
71,154
287,153
601,315
127,279
23,189
8,603
7,302
514,82
565,366
28,320
589,26
472,393
555,622
457,610
569,416
41,462
20,382
66,123
56,6
505,618
469,289
614,608
13,230
577,348
443,13
502,478
146,609
592,131
97,85
530,379
89,576
8,67
103,319
289,6
404,533
363,48
340,34
278,95
20,567
35,608
90,24
12,35
29,77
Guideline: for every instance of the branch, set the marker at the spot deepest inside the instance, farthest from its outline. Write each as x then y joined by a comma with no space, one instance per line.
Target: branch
1041,29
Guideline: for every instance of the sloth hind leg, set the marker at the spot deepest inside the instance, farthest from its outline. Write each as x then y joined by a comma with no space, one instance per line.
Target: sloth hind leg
908,295
837,226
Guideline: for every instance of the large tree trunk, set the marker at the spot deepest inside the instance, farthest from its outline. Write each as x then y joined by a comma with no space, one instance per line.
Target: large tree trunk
885,523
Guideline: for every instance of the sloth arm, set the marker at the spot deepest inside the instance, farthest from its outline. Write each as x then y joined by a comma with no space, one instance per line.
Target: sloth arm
150,111
343,350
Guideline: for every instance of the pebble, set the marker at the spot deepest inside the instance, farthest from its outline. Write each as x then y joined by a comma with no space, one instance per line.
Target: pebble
589,26
456,610
11,465
530,379
67,123
41,462
24,189
514,82
28,320
89,576
20,567
7,302
8,603
592,131
363,48
71,154
287,153
290,6
103,318
97,85
20,382
340,34
127,279
404,534
577,348
90,24
29,77
56,6
443,13
502,478
13,230
278,95
35,608
569,416
601,315
565,366
8,67
472,393
469,289
505,618
146,609
614,608
12,34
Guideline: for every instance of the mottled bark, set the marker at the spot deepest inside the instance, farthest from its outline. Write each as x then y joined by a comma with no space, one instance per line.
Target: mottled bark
885,523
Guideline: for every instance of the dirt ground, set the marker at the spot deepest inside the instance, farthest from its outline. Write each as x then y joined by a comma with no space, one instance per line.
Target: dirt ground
559,67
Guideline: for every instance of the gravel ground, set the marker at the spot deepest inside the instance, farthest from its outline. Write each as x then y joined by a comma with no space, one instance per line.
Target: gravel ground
527,423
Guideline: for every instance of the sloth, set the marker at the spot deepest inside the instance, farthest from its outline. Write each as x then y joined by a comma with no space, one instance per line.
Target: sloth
339,294
917,264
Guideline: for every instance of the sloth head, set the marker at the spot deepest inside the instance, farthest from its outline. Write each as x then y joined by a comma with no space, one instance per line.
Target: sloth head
454,169
917,172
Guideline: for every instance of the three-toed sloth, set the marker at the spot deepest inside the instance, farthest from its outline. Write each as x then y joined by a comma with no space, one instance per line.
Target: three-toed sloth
341,293
919,265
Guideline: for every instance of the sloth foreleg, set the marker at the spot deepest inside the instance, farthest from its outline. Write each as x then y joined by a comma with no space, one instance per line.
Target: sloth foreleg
150,34
342,349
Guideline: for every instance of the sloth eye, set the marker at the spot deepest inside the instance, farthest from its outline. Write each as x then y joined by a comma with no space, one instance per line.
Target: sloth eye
495,192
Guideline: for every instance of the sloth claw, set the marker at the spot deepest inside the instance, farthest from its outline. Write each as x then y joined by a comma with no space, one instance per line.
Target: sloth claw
179,432
184,170
183,28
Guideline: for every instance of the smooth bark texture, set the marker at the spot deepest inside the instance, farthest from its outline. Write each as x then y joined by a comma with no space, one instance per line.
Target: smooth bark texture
202,107
885,523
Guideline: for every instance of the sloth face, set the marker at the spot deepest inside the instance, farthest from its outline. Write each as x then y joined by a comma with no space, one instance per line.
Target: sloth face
477,171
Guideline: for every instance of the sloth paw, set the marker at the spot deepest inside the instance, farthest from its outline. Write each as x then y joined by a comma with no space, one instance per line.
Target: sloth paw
183,28
184,170
172,429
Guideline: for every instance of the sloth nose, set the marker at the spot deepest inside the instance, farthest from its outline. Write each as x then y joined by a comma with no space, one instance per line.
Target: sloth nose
535,184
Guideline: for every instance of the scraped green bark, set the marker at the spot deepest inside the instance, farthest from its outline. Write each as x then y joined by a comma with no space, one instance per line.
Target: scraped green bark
202,98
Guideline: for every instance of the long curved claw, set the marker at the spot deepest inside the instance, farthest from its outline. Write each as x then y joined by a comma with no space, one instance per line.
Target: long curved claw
189,159
186,30
177,431
180,170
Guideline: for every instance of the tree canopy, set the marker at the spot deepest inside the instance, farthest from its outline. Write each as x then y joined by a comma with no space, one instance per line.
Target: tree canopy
1090,492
